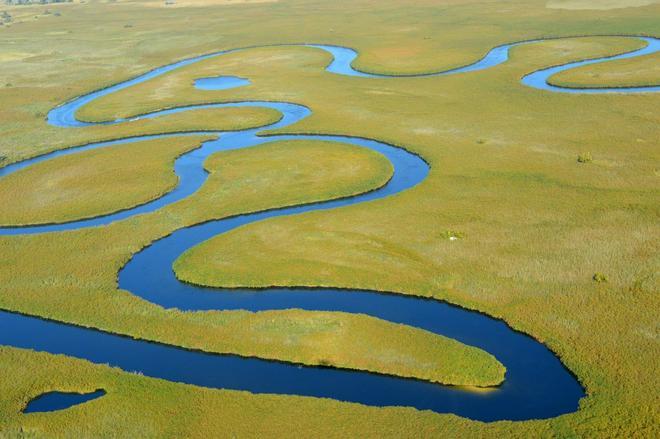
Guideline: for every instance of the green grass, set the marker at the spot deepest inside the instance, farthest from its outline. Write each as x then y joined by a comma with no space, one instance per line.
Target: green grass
536,224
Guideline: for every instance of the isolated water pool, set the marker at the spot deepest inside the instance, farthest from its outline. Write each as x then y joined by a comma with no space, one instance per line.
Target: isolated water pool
220,82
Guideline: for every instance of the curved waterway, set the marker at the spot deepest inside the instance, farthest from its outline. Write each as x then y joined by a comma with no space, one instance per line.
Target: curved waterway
537,385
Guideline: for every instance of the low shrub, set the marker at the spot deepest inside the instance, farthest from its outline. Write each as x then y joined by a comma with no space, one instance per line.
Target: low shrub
325,362
585,157
599,278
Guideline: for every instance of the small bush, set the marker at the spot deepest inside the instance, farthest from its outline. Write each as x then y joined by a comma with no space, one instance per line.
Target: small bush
585,157
599,278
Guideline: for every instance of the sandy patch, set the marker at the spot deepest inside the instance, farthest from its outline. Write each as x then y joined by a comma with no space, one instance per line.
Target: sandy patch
14,56
598,4
268,59
425,131
383,92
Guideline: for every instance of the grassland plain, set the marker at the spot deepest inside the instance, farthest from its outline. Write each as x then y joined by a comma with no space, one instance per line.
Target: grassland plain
536,224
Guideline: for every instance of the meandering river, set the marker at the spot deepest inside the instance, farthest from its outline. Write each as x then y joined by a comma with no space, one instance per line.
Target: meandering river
536,385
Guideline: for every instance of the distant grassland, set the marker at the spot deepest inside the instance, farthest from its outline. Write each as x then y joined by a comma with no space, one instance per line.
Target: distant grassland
422,36
535,224
597,4
622,73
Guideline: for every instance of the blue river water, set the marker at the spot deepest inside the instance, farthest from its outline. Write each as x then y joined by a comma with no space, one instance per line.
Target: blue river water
536,385
49,402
